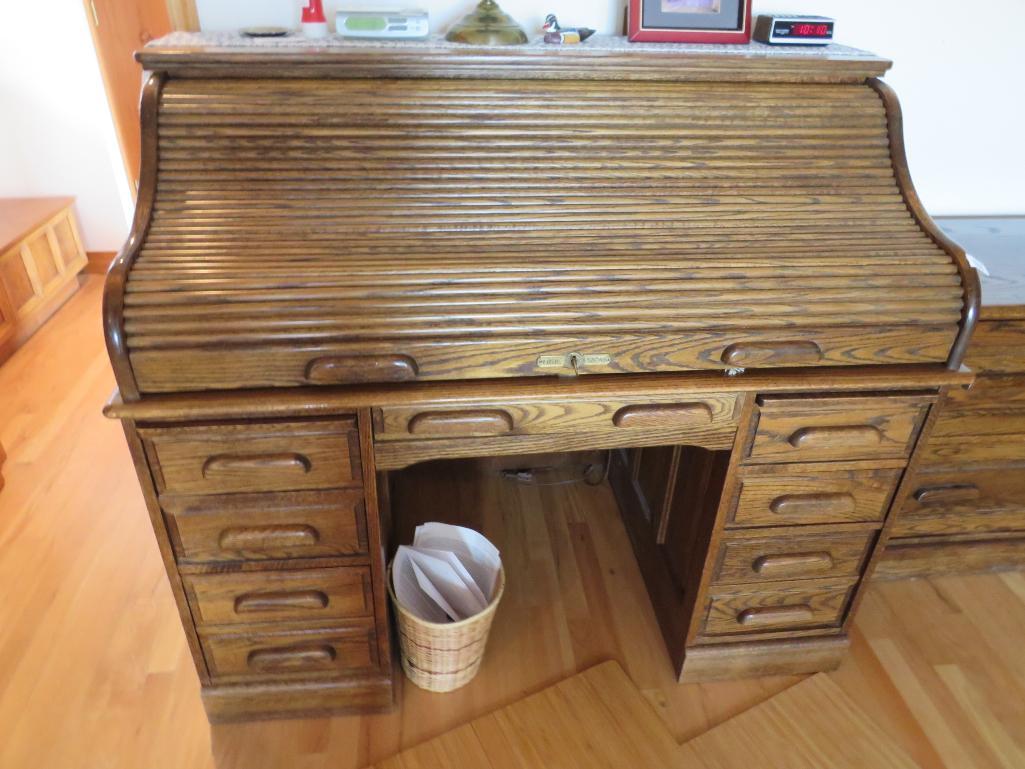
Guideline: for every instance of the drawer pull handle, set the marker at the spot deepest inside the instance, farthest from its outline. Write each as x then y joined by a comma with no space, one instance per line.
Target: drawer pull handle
488,421
947,495
796,353
254,603
293,658
853,436
267,537
775,615
801,563
663,415
226,464
840,503
357,369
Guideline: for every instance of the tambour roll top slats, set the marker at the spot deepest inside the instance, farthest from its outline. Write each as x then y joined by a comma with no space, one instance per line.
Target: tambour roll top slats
308,231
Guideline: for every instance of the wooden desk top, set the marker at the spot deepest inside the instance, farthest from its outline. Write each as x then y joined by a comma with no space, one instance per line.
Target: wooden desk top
18,216
999,242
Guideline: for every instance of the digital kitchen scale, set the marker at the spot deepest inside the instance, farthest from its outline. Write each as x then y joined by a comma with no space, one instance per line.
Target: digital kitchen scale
394,25
781,29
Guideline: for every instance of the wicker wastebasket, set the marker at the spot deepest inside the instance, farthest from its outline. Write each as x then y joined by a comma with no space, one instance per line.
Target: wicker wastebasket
441,657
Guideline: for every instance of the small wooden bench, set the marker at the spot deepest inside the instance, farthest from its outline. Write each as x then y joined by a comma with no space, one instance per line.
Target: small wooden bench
41,255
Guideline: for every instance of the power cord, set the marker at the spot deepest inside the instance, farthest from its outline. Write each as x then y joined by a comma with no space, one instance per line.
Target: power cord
592,474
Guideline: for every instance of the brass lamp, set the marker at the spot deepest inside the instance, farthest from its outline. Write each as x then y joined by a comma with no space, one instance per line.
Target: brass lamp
487,25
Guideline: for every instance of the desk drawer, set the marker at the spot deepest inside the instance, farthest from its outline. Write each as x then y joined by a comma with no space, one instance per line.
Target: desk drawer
778,608
747,561
266,596
255,456
663,415
291,653
807,497
814,429
297,524
964,502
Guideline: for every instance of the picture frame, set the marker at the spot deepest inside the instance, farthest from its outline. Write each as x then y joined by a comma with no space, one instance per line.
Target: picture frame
689,21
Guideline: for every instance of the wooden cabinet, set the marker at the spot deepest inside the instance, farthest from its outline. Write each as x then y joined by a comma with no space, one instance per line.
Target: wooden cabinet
41,256
348,260
768,548
965,510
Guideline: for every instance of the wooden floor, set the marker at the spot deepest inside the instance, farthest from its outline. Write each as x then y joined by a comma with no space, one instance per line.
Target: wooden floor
94,671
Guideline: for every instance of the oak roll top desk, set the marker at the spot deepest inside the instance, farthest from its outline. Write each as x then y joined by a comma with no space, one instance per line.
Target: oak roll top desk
347,259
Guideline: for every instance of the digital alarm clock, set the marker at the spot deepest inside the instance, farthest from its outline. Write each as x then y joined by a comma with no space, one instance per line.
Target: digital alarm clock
395,25
778,29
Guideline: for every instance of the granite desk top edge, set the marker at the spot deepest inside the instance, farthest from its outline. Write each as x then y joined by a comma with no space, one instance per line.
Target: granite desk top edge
232,43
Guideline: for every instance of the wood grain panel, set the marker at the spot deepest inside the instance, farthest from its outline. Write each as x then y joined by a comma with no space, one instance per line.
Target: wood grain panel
266,526
44,259
972,450
798,496
750,561
948,556
393,455
303,594
255,456
16,281
772,608
297,220
564,415
964,501
290,652
823,428
997,347
174,369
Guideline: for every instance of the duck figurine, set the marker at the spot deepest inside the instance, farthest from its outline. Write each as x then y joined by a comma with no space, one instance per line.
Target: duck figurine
556,34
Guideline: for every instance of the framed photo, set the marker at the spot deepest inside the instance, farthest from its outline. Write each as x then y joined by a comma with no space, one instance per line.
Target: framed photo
690,21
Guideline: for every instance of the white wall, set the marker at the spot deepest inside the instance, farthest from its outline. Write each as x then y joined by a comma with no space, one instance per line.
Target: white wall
56,133
959,79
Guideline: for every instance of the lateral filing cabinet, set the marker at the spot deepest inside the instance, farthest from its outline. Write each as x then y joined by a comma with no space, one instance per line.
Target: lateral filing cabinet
966,508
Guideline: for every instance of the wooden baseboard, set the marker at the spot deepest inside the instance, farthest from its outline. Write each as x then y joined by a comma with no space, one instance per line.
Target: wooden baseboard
298,699
789,656
902,561
99,261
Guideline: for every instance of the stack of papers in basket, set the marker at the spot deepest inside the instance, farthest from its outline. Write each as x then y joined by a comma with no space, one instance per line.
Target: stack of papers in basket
449,573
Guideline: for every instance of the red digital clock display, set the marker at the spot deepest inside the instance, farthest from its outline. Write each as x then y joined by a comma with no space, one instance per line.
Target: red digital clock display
810,30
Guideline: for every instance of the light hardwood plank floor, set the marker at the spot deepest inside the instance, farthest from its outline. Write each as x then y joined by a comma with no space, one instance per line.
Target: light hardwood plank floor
94,671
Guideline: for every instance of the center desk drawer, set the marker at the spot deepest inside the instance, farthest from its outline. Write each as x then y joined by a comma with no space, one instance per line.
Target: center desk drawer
291,653
654,415
295,524
255,456
810,429
263,596
747,561
773,608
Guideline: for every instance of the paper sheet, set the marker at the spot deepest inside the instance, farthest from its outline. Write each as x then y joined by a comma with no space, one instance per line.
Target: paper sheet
477,554
448,574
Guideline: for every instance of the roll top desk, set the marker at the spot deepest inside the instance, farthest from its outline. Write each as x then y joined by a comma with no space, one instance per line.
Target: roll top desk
348,259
